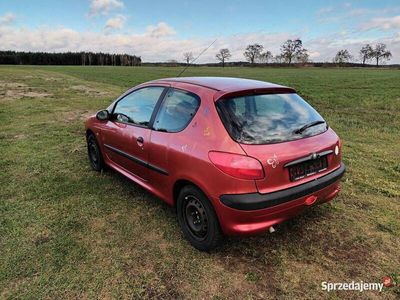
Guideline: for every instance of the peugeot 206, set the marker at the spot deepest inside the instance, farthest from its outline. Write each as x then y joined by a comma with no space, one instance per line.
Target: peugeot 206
234,156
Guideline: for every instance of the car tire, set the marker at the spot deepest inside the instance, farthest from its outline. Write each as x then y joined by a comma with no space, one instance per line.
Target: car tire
94,153
198,220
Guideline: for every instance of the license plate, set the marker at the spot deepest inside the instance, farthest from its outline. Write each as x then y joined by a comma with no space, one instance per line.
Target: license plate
308,168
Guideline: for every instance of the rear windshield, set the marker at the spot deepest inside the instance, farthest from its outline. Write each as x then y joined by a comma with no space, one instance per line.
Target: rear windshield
269,118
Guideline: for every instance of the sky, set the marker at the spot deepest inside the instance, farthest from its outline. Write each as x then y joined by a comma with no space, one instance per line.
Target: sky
164,30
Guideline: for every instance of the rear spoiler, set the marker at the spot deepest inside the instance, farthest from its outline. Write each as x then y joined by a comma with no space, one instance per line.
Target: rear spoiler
272,90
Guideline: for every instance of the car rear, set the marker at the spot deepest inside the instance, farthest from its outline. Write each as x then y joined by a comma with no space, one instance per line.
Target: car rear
291,153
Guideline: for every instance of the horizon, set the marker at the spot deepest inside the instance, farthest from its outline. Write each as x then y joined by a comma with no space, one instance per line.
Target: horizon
164,31
369,63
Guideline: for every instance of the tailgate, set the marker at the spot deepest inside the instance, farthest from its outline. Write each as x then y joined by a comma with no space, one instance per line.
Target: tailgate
307,153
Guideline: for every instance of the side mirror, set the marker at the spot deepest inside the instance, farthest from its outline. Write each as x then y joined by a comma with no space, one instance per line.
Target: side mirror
103,115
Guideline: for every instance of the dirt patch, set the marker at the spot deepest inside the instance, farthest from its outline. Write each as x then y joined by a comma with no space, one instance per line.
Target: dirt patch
76,115
157,239
98,224
52,79
12,85
20,136
15,90
89,90
36,94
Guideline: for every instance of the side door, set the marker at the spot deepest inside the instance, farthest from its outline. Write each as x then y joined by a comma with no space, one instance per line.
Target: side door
176,111
127,134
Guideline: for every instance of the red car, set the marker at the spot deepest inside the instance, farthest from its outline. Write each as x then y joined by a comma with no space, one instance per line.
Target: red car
234,156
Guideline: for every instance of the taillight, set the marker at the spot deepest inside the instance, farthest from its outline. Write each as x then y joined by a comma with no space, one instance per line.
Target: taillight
236,165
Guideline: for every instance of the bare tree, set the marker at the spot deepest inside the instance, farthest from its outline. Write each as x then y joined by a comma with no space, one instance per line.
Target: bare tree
222,55
253,52
380,52
188,56
292,49
265,57
302,57
342,56
366,53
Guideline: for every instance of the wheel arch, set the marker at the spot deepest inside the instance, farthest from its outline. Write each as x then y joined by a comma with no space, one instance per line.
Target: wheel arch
180,184
89,131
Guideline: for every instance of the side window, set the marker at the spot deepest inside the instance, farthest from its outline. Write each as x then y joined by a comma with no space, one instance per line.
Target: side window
137,107
176,111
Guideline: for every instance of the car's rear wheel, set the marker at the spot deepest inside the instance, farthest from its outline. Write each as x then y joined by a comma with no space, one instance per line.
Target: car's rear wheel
94,153
197,219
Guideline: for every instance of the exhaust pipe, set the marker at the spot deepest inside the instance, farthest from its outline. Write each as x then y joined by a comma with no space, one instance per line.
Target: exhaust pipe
271,229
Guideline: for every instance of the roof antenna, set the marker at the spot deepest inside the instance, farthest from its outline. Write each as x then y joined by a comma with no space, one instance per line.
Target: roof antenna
188,65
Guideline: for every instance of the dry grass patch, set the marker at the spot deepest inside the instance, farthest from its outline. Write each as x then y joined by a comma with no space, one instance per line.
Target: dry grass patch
90,91
15,90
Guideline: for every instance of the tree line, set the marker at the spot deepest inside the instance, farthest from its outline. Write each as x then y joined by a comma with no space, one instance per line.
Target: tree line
292,51
377,53
68,58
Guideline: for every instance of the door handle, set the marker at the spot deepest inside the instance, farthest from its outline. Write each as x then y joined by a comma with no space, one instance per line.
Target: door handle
140,140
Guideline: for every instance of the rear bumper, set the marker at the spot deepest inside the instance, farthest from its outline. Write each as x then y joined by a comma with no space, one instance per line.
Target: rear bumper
254,212
255,201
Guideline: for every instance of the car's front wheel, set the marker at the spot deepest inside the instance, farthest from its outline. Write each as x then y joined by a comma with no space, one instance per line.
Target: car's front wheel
197,219
94,153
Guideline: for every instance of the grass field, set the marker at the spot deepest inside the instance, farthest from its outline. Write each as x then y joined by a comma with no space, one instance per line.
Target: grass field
69,232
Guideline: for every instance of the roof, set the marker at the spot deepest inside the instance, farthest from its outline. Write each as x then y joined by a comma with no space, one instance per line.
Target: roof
225,84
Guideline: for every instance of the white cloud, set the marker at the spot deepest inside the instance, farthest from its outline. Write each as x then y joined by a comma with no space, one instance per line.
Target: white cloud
7,18
344,12
160,30
104,6
325,10
115,23
158,43
329,45
314,55
382,23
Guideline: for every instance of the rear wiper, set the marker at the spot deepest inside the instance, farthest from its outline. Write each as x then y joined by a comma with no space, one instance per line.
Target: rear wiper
301,130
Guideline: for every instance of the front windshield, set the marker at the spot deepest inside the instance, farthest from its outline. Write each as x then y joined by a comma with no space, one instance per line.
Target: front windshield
269,118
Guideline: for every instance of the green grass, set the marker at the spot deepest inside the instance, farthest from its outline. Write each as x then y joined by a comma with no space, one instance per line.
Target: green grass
69,232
